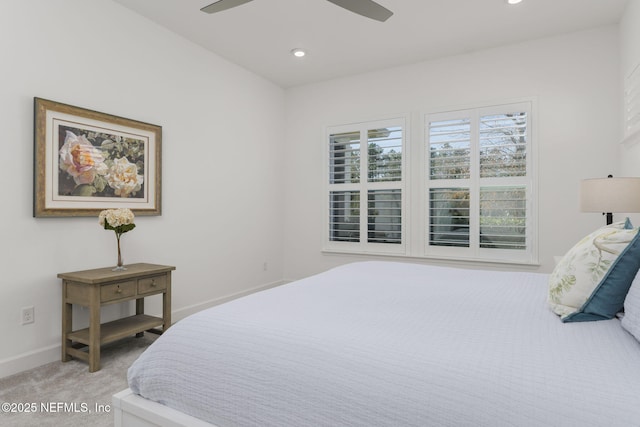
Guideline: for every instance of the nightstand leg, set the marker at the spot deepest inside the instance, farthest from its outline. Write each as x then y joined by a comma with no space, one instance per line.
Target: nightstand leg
66,324
166,306
140,310
94,330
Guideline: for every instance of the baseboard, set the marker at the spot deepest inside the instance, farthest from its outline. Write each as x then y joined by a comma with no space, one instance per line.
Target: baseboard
39,357
188,311
29,360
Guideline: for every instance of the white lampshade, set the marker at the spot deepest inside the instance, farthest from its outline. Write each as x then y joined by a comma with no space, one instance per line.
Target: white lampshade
610,195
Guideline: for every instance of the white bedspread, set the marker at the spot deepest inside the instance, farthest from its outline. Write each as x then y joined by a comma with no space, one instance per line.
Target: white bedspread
392,344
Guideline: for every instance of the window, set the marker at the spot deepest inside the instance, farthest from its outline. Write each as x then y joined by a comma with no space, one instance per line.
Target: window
479,185
467,193
366,187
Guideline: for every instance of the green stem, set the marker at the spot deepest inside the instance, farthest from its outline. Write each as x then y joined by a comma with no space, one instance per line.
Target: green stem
119,253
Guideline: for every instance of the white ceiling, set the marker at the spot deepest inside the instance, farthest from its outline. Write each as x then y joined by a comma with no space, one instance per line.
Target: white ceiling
260,35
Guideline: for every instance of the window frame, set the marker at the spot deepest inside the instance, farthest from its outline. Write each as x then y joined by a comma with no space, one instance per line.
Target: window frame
364,186
475,183
415,191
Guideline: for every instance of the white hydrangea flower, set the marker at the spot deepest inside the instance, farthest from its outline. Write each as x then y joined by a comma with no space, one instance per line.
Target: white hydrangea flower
115,218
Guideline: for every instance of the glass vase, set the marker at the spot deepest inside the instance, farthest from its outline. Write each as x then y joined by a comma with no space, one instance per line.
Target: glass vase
120,266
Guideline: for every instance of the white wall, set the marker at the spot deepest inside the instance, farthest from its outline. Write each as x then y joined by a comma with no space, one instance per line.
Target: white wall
235,192
630,58
574,77
630,37
222,179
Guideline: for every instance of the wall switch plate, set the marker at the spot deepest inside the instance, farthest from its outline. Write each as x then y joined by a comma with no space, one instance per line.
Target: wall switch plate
28,315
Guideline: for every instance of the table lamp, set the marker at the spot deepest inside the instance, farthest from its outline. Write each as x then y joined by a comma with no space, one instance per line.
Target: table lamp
609,195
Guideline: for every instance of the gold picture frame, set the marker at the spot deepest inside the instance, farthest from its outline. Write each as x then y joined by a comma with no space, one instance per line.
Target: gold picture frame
86,161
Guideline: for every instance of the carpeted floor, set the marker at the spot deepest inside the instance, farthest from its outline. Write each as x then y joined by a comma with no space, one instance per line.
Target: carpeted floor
66,394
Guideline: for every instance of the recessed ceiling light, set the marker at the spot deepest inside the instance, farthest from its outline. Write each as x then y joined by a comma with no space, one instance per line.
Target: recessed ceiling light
298,53
514,1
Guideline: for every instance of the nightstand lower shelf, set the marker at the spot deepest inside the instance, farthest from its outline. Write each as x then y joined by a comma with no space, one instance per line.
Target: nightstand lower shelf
118,329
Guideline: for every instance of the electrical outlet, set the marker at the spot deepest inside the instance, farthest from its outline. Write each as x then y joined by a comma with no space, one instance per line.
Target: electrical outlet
265,266
28,315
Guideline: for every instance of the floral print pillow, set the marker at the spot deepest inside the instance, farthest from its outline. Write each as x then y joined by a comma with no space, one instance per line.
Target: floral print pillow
591,281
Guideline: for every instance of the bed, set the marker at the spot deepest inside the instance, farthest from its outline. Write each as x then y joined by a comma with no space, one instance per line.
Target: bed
388,344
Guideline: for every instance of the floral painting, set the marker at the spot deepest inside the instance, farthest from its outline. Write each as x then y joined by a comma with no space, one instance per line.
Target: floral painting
96,164
86,161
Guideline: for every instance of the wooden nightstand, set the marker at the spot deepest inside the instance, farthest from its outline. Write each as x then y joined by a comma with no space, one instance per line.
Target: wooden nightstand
102,286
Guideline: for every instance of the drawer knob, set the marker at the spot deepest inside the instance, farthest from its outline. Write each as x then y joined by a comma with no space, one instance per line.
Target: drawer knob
119,291
153,283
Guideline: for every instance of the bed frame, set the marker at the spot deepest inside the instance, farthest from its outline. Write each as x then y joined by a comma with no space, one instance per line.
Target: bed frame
131,410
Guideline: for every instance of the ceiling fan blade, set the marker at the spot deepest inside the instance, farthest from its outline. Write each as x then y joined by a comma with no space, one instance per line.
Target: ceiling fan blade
367,8
221,5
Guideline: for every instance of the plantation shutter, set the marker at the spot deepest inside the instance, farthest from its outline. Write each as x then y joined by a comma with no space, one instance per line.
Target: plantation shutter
479,184
450,149
632,102
503,217
366,187
471,193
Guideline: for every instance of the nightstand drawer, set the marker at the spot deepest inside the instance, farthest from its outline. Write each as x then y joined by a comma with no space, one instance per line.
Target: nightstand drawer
152,284
117,291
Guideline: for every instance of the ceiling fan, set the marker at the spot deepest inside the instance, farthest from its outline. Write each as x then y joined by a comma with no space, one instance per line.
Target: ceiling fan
367,8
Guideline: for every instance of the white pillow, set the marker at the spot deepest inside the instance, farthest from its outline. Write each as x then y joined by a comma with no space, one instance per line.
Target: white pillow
591,281
631,319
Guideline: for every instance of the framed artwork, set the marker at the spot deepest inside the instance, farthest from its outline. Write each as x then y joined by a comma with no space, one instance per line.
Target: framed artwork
86,161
